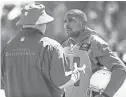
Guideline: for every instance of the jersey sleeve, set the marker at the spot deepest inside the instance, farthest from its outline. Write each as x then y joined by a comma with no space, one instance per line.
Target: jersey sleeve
104,54
57,71
3,66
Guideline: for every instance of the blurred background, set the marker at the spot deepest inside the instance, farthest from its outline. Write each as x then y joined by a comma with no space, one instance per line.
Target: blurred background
107,18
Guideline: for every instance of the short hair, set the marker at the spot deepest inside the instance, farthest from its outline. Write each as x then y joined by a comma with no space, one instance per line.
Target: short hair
78,13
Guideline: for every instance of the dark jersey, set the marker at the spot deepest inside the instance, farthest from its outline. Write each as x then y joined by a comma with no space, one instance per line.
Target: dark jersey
24,61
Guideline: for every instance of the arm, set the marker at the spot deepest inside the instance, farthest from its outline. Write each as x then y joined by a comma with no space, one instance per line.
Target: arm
74,78
2,73
106,57
3,67
58,70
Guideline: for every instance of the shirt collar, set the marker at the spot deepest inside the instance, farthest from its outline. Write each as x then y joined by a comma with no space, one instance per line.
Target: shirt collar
30,31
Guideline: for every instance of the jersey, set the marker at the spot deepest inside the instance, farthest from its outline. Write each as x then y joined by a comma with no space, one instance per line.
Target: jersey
99,53
78,53
30,64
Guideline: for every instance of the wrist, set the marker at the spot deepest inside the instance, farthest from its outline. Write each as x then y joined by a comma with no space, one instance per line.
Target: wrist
68,73
75,76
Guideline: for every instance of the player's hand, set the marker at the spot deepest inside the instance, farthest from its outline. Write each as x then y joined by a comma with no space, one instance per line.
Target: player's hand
79,68
76,69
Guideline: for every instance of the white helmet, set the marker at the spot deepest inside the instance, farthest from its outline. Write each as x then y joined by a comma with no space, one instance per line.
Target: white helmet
99,80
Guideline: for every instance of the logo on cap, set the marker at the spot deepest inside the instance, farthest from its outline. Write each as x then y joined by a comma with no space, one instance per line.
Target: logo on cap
22,39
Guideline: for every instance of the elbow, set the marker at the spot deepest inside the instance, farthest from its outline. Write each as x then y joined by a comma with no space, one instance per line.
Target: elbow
119,71
119,67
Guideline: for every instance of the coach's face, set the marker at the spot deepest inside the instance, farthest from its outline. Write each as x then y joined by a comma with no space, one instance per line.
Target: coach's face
73,24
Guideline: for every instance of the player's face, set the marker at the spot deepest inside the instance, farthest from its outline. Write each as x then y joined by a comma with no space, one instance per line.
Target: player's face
72,25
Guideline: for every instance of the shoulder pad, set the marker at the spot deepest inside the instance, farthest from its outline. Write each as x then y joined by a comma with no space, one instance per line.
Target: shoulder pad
53,44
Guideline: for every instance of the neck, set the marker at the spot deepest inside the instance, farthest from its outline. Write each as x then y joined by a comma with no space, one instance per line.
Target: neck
78,33
28,26
34,26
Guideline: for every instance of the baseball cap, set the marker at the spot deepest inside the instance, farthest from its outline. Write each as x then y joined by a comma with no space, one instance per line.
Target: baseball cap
33,14
78,12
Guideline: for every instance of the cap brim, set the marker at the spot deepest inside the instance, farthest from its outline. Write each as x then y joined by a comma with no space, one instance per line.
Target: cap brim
44,18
